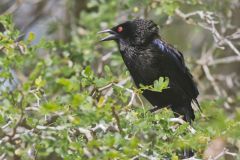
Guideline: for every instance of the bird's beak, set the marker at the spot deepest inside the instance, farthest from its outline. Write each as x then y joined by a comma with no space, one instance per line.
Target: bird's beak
112,36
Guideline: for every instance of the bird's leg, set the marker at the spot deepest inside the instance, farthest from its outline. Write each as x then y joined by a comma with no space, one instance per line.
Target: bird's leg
188,153
154,109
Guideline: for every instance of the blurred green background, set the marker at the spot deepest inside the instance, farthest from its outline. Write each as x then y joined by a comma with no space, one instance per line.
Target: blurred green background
64,95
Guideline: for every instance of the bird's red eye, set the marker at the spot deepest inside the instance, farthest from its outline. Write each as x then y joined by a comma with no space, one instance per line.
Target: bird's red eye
120,29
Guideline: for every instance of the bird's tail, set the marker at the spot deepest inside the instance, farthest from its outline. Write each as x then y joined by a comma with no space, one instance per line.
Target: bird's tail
195,101
184,110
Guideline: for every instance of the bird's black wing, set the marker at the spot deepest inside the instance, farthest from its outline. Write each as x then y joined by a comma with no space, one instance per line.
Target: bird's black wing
175,69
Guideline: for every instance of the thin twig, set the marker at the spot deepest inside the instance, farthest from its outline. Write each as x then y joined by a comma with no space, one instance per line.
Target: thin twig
86,132
115,115
6,125
181,121
131,100
211,79
20,105
209,19
221,154
225,60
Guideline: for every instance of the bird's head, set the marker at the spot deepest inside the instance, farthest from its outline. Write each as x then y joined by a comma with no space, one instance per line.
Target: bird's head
136,32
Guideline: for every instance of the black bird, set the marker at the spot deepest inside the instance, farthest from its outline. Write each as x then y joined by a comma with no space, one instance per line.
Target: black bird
147,58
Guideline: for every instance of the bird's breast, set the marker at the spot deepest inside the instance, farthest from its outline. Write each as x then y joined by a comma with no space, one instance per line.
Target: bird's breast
141,67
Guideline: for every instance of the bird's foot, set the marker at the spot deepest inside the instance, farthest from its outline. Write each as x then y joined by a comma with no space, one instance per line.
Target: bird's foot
187,153
154,109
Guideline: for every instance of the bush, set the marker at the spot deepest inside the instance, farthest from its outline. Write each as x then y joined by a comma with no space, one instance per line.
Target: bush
60,106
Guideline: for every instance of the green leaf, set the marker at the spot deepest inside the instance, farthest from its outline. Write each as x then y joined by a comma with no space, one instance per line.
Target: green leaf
70,85
50,107
31,37
87,72
39,82
160,84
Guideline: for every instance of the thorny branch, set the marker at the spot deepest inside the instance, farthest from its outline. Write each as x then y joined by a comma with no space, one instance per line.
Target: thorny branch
207,21
209,24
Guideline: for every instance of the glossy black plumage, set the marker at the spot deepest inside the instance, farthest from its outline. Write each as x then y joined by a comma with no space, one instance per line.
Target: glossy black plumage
147,58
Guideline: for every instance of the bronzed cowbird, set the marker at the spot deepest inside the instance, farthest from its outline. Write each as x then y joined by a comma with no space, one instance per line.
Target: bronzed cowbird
147,58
